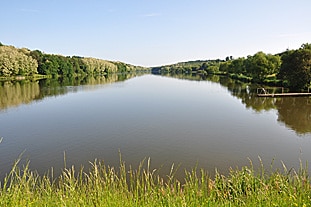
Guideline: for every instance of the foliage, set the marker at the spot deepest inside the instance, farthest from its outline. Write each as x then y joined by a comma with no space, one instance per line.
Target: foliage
288,69
238,66
55,65
261,65
15,62
257,67
296,67
98,66
124,186
292,68
24,62
198,66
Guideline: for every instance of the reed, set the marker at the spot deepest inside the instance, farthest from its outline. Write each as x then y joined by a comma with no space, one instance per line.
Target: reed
102,185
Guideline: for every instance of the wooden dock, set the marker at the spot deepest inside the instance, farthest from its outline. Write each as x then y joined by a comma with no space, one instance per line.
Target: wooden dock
283,94
261,92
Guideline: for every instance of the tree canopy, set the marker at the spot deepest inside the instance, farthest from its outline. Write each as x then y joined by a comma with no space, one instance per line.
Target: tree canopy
14,61
290,68
261,65
296,67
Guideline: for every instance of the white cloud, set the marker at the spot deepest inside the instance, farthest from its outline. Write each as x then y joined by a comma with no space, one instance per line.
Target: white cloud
152,15
29,10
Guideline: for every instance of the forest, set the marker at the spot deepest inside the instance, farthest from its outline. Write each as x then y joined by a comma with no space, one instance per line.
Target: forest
291,68
24,62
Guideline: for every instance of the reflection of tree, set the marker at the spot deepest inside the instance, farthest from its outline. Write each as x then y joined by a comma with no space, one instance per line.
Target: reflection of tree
183,76
247,94
295,112
14,94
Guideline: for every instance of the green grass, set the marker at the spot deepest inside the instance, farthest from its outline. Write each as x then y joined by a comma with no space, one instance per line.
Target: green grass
124,186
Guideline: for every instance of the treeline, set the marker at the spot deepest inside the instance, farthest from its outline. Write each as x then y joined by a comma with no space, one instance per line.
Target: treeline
15,62
291,68
24,62
197,66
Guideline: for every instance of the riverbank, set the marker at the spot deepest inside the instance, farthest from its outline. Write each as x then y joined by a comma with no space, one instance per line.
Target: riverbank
124,186
21,78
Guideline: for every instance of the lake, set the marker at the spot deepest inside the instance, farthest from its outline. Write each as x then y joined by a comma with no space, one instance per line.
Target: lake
189,121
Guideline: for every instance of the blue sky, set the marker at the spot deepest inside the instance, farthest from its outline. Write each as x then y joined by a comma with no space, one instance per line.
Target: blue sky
156,32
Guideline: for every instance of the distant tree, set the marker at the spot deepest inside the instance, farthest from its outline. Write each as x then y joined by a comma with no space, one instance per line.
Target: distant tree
36,54
122,67
296,67
98,66
78,66
260,65
237,66
213,68
14,62
306,46
224,66
204,66
229,58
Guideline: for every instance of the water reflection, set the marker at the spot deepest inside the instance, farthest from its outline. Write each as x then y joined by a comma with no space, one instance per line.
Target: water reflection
293,112
248,95
15,93
216,123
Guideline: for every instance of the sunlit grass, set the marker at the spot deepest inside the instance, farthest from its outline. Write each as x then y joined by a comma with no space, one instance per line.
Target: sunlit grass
102,185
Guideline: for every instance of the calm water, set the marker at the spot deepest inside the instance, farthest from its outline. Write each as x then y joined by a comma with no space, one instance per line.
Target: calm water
214,123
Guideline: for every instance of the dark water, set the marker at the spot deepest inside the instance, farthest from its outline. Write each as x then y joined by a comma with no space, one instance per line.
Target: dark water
215,123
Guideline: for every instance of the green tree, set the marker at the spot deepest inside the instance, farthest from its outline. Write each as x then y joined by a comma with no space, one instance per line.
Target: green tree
224,66
15,61
98,66
204,66
296,67
306,46
261,65
237,66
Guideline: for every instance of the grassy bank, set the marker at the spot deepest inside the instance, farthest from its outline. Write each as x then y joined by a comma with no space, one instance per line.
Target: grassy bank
107,186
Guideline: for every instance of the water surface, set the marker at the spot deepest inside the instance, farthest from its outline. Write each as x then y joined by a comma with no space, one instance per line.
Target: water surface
189,123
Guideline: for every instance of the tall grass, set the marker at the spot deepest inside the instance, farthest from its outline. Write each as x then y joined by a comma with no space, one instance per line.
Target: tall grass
102,185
